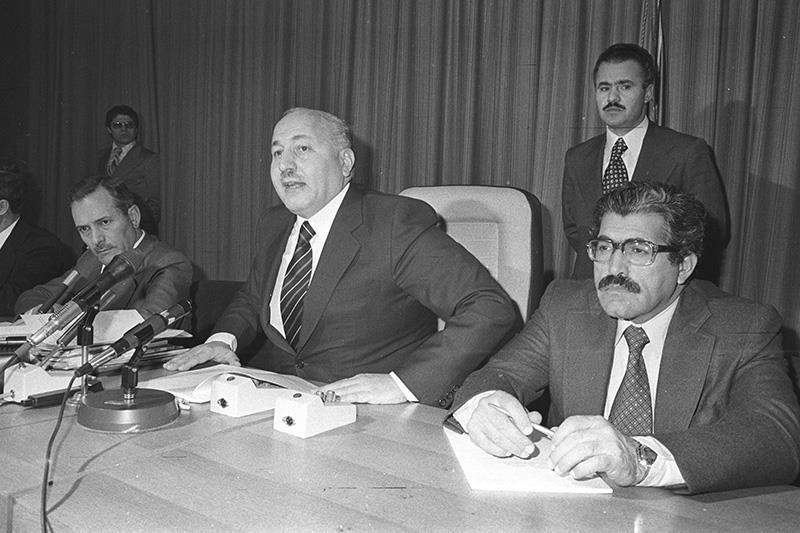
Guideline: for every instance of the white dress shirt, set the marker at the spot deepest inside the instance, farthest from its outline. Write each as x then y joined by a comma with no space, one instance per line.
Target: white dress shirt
6,233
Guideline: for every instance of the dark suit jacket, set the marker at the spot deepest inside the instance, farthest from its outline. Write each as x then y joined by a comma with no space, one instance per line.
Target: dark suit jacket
162,280
683,161
724,405
386,273
140,172
29,256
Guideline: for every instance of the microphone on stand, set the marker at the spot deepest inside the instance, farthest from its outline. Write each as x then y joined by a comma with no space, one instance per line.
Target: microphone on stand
83,269
121,267
107,299
137,336
67,284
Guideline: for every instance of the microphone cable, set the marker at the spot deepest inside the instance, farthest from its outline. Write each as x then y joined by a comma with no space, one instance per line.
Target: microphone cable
46,526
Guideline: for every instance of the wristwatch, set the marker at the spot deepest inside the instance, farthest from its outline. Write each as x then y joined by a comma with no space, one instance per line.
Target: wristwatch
646,457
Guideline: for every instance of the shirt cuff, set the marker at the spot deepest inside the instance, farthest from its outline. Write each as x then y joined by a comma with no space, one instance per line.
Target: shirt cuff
402,386
226,338
464,413
664,472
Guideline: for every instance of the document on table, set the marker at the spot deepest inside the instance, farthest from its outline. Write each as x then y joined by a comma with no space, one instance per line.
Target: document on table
194,386
487,472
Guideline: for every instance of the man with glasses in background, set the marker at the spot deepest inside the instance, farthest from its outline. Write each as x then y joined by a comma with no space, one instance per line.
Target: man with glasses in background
655,379
128,161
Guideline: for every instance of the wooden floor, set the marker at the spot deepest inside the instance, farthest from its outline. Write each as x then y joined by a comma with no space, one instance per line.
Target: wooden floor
392,470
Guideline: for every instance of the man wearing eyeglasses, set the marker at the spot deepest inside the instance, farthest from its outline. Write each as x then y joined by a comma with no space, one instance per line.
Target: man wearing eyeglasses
127,160
655,379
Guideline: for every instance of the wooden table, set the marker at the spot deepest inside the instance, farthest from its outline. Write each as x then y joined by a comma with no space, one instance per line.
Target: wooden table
391,470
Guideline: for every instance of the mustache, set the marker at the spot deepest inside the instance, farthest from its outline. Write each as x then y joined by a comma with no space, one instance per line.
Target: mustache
620,280
614,105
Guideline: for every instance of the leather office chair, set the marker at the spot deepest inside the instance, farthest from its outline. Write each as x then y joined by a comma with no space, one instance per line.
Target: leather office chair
502,227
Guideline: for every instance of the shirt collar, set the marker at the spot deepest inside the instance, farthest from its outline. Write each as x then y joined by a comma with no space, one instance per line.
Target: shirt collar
656,327
322,220
6,233
633,139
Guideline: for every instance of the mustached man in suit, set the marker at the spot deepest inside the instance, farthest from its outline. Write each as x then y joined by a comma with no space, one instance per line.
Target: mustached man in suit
29,255
655,379
128,161
348,285
108,219
633,148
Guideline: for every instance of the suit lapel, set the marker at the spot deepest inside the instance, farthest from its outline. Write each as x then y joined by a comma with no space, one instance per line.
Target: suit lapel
593,172
128,288
340,249
654,155
131,160
684,364
589,354
9,250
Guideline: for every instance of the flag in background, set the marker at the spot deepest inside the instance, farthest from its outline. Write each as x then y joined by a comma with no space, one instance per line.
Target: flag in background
651,37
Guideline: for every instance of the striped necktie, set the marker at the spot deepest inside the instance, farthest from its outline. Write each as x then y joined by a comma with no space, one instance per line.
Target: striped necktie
295,285
632,413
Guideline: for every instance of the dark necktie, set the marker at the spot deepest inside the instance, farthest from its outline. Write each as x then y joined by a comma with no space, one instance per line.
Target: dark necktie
616,175
632,412
295,285
113,163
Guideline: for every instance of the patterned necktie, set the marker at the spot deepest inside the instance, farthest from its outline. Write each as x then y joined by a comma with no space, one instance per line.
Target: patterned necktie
631,412
113,163
616,175
295,285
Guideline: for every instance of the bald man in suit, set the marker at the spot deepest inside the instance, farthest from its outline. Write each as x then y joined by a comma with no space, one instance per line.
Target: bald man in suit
381,274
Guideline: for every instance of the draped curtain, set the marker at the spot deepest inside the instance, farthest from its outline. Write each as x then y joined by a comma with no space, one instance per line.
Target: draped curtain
437,92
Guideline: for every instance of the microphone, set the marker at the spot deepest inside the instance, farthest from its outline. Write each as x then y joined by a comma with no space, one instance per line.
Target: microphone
108,297
74,277
121,267
67,283
137,336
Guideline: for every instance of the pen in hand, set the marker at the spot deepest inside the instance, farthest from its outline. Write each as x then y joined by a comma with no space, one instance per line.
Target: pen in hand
538,427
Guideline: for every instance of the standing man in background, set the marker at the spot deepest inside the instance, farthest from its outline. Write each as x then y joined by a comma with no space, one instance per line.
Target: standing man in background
348,285
29,255
633,148
128,161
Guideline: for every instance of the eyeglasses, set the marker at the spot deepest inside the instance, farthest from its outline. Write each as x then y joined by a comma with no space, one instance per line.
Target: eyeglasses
120,125
638,252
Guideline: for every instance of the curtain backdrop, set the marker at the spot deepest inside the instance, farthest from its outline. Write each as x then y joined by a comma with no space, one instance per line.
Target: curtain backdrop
437,92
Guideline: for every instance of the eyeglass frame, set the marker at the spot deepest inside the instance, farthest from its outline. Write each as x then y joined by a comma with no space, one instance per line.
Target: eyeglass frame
117,125
657,248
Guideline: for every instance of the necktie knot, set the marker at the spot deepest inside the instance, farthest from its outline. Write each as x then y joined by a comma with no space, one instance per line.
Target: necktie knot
619,147
306,232
636,338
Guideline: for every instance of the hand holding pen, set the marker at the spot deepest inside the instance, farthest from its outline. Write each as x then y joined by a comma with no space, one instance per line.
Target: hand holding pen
501,426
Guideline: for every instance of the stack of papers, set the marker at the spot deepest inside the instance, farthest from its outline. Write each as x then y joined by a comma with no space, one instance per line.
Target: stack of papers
487,472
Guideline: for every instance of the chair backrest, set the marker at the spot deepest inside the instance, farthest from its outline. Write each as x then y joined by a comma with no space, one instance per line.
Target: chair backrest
501,227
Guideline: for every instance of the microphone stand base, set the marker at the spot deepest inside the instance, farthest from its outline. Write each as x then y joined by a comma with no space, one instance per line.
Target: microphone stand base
109,412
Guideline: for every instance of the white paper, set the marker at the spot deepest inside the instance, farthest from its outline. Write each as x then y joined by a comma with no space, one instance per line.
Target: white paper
487,472
194,386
